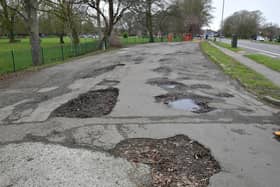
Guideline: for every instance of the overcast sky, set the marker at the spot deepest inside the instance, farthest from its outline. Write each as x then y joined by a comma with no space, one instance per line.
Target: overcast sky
269,8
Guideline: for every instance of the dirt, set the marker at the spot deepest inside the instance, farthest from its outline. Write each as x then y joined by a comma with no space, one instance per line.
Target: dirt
201,101
91,104
175,161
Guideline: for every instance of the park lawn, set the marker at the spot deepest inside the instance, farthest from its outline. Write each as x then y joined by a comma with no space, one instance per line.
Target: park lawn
272,63
24,43
251,80
228,46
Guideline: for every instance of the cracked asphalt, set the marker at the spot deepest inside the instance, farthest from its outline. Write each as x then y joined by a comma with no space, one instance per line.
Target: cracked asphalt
37,149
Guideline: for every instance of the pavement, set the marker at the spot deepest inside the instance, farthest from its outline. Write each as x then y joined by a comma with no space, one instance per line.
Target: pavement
39,150
270,74
257,47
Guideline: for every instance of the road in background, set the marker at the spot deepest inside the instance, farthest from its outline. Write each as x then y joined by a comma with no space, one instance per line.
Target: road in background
259,47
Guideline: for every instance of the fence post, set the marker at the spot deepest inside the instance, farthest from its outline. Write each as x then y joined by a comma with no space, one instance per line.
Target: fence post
62,52
13,60
42,54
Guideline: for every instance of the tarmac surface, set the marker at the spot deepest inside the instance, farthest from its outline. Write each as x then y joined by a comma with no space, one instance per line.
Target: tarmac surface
38,149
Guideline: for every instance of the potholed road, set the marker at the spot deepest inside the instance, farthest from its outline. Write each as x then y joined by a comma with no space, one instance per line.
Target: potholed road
39,150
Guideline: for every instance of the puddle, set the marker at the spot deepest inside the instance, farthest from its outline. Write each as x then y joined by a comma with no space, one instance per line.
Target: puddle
184,104
174,161
168,86
95,103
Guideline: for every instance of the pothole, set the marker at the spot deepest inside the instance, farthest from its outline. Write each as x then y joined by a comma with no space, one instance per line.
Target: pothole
100,71
223,94
106,82
202,86
163,69
165,83
91,104
186,102
175,161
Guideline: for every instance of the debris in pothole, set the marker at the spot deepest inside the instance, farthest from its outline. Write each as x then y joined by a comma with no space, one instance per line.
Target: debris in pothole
202,86
106,82
91,104
187,102
175,161
166,83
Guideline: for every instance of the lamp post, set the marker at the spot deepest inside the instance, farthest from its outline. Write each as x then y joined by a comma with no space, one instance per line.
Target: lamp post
222,21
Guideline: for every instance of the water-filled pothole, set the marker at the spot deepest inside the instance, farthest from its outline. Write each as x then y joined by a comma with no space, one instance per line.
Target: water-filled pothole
186,102
91,104
201,86
174,161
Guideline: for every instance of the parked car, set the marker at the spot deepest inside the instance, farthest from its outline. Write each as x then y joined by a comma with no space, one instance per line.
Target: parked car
260,38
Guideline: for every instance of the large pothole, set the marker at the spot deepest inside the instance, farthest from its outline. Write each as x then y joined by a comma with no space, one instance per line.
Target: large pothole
175,161
187,102
91,104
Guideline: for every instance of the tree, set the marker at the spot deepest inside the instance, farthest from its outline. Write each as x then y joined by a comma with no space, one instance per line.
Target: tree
115,10
270,30
243,23
8,17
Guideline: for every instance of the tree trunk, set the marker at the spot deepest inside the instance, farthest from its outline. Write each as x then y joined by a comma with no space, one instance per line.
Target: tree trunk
75,36
61,39
32,20
149,20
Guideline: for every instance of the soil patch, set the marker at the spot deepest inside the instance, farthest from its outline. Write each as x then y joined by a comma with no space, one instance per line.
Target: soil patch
199,104
175,161
91,104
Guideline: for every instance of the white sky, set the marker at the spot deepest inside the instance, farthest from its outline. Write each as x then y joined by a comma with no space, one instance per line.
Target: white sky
269,8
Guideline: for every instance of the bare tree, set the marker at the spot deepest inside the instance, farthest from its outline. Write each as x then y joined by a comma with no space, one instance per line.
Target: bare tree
110,14
8,17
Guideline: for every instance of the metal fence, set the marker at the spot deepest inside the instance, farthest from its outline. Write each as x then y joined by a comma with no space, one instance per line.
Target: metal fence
15,60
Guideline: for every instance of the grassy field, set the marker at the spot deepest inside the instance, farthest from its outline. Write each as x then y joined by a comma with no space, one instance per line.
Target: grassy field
17,56
227,46
45,42
251,80
272,63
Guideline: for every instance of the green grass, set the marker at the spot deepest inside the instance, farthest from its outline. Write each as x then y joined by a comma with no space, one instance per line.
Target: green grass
251,80
52,52
227,46
269,62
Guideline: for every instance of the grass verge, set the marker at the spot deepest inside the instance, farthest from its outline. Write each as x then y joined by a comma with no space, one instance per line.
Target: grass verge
227,46
269,62
251,80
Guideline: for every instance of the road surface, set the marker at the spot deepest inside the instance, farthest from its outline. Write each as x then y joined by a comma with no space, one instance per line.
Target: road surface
38,149
259,47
